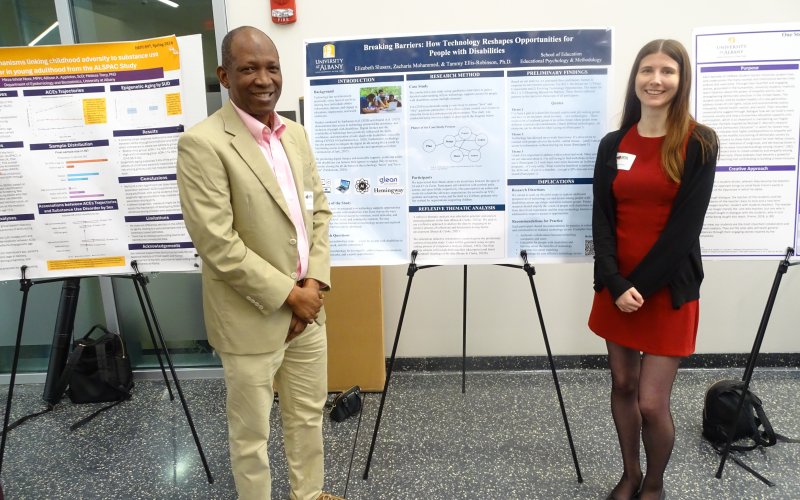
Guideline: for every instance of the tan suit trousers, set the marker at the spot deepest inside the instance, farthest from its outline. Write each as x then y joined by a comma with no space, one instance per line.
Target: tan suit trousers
299,373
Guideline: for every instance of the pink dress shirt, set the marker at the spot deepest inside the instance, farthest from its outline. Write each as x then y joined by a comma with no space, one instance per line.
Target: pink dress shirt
269,141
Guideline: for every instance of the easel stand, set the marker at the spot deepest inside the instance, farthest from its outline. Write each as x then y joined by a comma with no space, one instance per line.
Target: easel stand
783,266
64,327
412,269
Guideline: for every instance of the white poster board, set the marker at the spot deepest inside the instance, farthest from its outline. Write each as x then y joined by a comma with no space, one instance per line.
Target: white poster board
748,90
484,147
88,138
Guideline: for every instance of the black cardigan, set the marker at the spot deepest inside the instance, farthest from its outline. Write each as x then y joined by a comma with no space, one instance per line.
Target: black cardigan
674,259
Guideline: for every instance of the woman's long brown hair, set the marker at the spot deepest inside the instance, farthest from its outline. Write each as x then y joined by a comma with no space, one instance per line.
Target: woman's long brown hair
679,121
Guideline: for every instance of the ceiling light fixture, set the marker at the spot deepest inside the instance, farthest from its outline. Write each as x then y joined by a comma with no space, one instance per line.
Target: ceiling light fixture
43,34
170,3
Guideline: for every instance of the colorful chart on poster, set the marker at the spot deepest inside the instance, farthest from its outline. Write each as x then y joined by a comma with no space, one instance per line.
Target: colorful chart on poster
88,138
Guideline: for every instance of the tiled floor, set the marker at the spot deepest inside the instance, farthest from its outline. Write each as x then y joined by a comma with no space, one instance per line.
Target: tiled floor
503,439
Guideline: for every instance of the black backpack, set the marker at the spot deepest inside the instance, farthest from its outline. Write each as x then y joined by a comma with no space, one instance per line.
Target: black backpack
721,402
98,370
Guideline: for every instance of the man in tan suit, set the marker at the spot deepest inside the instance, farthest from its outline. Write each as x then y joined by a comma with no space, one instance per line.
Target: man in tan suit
254,206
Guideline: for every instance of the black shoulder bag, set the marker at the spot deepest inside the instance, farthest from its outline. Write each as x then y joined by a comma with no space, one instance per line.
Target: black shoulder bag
346,404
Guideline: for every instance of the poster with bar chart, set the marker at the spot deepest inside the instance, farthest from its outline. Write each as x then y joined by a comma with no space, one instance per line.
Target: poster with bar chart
88,137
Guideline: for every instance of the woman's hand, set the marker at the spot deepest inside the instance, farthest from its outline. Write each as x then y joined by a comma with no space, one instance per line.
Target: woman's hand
630,301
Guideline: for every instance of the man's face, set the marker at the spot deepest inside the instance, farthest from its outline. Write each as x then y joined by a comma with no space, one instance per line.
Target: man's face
254,78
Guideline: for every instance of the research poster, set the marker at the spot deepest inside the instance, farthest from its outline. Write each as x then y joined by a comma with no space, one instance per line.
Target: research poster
88,138
748,90
467,148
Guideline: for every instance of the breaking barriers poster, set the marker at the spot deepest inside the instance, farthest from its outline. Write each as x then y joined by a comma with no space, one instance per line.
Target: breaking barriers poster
467,148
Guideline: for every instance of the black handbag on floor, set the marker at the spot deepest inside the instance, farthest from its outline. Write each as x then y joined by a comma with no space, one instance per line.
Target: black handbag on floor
346,404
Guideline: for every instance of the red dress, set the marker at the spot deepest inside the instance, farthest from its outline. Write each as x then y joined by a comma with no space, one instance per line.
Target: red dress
644,196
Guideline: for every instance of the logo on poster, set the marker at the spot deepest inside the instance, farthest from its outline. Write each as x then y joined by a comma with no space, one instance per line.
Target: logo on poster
344,185
326,185
329,62
388,180
362,186
730,48
388,190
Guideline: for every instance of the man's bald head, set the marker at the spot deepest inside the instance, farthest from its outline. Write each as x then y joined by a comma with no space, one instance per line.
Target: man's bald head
227,42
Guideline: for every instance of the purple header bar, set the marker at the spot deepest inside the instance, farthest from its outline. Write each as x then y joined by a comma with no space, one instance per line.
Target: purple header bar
148,178
748,67
161,246
68,91
16,217
10,145
457,75
146,85
70,145
457,208
559,72
78,206
153,218
9,93
758,168
358,80
550,182
149,131
82,78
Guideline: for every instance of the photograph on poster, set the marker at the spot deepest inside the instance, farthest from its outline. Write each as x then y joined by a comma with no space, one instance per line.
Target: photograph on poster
377,99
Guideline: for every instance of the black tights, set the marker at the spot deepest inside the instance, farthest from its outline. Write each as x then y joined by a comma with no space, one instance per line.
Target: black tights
640,394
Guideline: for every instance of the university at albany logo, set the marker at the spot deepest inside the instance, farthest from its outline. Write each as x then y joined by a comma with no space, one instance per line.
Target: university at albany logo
329,64
730,48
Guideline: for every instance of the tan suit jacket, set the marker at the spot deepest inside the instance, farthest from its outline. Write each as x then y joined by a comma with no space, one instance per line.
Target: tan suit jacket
239,222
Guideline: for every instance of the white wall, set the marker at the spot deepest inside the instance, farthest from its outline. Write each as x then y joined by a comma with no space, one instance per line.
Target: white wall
501,316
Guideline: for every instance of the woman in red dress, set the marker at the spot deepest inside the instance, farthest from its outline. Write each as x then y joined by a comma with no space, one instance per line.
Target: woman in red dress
652,184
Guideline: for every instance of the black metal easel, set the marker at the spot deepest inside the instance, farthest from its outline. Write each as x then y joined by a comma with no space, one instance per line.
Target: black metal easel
530,271
64,326
62,335
783,266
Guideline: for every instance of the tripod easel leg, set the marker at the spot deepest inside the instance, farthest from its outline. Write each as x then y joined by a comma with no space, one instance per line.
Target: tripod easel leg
25,286
783,266
412,269
464,338
152,336
142,280
531,271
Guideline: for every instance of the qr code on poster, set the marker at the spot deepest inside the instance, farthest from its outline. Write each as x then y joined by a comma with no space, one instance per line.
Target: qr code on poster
588,247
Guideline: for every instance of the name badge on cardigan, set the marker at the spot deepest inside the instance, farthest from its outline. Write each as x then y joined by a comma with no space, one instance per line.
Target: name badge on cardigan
308,196
625,161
